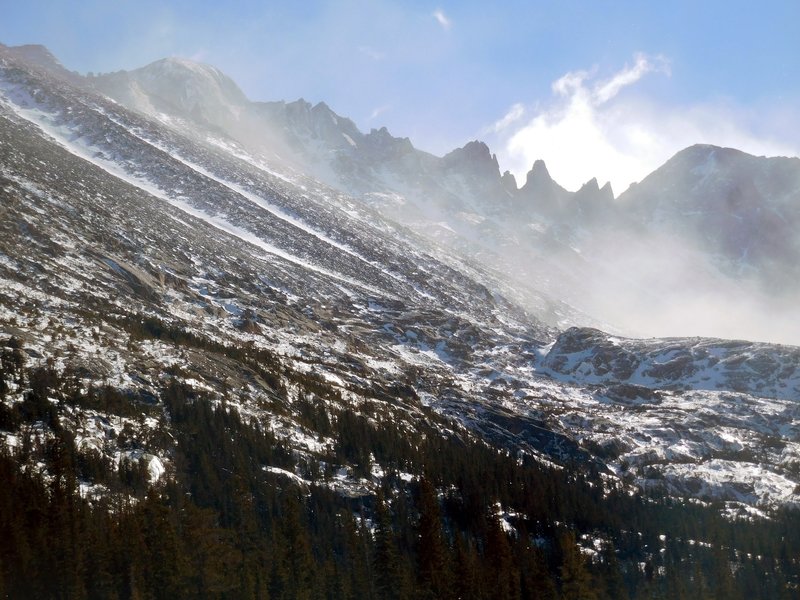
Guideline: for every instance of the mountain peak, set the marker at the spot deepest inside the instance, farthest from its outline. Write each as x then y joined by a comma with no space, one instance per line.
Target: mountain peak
538,178
382,136
177,85
538,172
509,182
474,154
476,147
183,71
383,146
700,153
39,55
607,191
590,186
179,62
592,189
546,195
322,106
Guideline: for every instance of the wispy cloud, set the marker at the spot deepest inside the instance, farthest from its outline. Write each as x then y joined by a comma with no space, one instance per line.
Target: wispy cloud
593,128
376,112
514,114
606,90
442,19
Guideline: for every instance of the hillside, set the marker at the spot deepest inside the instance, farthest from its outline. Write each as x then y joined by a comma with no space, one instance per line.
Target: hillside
272,386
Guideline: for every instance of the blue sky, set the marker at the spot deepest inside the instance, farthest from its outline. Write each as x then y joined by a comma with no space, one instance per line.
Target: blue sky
596,88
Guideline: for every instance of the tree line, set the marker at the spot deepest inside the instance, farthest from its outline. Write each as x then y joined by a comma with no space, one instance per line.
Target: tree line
471,522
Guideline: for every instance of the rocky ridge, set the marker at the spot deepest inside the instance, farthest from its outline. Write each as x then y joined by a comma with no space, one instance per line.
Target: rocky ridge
117,221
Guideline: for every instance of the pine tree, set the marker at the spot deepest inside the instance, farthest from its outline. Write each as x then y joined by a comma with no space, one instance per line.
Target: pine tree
212,560
468,582
67,551
357,562
434,577
293,565
576,581
614,583
390,580
537,582
502,576
165,572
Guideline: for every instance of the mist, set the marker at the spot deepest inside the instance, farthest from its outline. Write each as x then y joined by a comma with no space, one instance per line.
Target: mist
619,272
621,266
607,127
656,285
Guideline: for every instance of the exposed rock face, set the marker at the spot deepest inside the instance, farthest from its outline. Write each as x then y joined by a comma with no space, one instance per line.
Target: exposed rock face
178,86
541,193
742,209
591,356
730,217
474,158
120,219
36,55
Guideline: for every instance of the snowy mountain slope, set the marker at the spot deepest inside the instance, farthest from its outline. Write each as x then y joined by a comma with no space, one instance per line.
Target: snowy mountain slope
114,221
594,357
123,229
714,418
579,258
444,199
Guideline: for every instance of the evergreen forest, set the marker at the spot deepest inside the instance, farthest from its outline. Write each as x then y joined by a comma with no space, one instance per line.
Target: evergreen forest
473,522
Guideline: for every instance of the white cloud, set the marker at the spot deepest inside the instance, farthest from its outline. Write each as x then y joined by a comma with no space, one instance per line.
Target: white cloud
442,19
592,129
570,83
376,112
607,90
514,114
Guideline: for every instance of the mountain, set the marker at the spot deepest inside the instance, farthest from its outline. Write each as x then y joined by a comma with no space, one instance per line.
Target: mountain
198,333
298,255
742,209
173,84
442,198
572,258
38,55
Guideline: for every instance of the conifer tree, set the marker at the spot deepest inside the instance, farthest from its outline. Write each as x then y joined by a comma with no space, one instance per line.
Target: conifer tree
536,579
298,567
502,576
434,577
357,563
211,559
390,581
468,581
165,568
614,583
576,581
